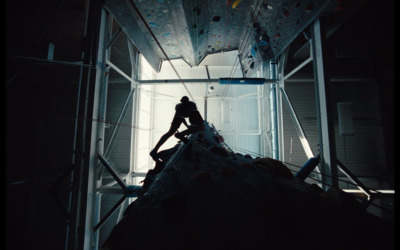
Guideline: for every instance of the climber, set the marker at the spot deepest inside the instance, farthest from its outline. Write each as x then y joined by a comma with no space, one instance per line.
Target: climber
182,110
195,119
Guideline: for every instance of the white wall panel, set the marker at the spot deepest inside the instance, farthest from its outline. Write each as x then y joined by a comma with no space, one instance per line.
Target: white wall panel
232,109
163,114
249,144
247,110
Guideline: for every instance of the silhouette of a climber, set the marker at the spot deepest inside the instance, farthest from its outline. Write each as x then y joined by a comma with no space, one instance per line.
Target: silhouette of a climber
195,119
182,110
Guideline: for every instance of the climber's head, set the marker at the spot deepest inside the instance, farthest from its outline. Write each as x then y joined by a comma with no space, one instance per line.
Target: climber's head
184,99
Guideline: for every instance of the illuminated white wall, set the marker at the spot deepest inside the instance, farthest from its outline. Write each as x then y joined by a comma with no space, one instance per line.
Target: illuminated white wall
233,109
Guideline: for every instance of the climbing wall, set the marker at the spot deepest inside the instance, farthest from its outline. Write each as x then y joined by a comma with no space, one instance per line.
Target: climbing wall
260,30
277,24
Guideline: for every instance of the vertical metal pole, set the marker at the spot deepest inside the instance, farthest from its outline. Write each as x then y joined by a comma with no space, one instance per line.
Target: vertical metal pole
97,217
98,111
279,110
102,77
325,122
205,105
83,187
274,119
134,58
206,96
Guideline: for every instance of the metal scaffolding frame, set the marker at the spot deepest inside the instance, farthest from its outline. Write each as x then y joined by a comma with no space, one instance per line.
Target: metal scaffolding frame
126,189
82,202
87,175
328,165
327,144
91,154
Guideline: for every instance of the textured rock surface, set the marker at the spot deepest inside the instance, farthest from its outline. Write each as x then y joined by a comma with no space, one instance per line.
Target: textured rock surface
210,199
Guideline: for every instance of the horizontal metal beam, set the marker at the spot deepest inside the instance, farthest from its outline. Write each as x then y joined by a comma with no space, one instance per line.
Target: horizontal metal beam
205,80
110,190
375,193
245,81
123,178
118,70
139,174
379,191
298,68
342,79
78,63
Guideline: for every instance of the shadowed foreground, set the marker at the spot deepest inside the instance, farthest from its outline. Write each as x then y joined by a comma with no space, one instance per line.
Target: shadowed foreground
210,199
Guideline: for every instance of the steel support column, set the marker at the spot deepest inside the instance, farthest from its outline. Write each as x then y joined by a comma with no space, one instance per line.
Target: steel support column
323,104
103,55
206,95
274,123
134,59
279,101
83,186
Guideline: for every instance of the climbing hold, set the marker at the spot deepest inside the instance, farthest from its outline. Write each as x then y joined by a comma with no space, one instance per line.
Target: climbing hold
235,3
154,25
252,65
216,18
267,6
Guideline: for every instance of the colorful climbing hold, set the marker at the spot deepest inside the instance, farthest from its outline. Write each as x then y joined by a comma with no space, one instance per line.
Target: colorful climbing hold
153,24
235,3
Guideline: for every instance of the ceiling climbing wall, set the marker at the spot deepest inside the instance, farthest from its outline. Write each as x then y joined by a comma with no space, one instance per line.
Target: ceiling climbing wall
260,30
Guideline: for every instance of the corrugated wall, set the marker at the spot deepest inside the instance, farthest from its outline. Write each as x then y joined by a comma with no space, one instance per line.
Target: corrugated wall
363,152
117,95
120,155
